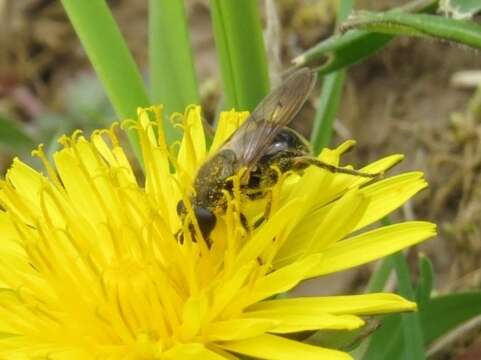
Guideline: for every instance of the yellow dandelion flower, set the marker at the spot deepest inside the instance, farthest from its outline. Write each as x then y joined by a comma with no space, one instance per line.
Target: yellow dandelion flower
92,267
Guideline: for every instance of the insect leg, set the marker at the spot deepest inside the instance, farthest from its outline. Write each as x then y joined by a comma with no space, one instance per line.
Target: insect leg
267,210
302,162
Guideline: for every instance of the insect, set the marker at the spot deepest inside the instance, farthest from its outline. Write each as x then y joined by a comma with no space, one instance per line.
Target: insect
261,144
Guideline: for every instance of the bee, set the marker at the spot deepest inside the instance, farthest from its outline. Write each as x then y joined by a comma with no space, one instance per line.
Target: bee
263,147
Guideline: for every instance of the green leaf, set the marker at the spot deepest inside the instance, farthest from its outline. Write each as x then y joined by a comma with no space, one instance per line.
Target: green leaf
425,283
392,329
387,340
380,277
329,101
241,53
110,57
342,50
13,137
410,323
419,25
330,97
449,311
172,75
460,9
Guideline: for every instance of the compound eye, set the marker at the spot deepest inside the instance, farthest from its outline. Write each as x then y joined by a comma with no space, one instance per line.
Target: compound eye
206,220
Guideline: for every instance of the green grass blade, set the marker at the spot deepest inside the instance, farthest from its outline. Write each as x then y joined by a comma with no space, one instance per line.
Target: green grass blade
378,280
425,282
241,53
386,342
449,311
13,137
397,328
330,97
109,55
419,25
173,81
411,324
400,336
340,51
438,317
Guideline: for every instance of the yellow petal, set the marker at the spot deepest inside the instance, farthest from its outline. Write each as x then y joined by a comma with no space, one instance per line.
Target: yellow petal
339,221
333,223
367,304
379,166
26,202
238,329
87,190
332,156
387,195
192,149
305,319
195,310
280,280
229,121
278,348
268,232
191,352
373,245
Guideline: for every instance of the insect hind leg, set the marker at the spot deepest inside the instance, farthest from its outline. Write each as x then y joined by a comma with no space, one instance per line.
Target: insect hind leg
302,162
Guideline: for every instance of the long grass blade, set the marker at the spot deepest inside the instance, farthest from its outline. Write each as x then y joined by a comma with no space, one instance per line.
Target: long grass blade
173,81
330,97
110,57
241,52
411,324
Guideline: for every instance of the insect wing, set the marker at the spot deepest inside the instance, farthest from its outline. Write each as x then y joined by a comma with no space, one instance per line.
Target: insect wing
274,112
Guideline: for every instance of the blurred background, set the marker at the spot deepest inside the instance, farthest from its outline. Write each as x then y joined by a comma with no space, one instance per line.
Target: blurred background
418,97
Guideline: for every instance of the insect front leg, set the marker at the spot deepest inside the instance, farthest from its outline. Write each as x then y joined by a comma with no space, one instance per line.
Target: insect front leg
302,162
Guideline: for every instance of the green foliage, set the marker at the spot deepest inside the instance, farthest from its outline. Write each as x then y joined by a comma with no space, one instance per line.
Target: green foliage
410,323
110,57
418,25
173,81
425,282
379,278
13,137
342,50
438,317
442,314
241,53
330,97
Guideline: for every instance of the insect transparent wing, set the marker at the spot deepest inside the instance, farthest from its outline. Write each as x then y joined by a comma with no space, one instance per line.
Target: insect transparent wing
274,112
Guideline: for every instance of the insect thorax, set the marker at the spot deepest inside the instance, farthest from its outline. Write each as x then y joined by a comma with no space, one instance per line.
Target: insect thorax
277,158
